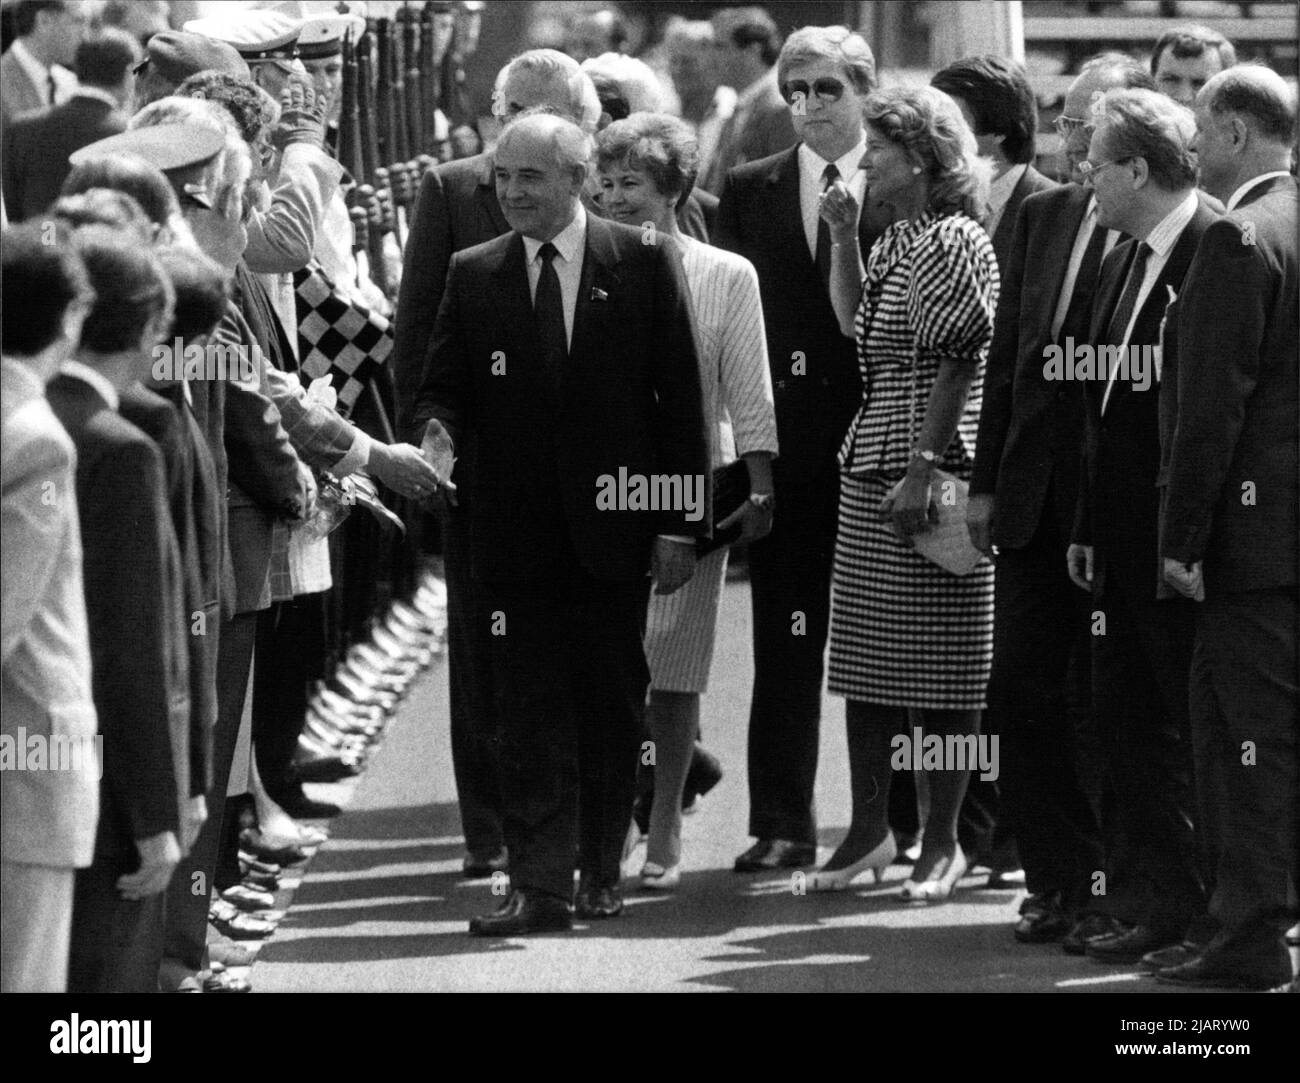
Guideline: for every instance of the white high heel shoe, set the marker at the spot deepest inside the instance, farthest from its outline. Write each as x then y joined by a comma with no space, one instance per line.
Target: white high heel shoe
655,877
939,889
878,860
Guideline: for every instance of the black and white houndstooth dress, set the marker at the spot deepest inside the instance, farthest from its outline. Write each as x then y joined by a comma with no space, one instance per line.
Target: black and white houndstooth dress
904,632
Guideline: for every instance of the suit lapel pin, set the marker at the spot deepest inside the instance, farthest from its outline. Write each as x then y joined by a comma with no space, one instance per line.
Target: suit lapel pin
597,294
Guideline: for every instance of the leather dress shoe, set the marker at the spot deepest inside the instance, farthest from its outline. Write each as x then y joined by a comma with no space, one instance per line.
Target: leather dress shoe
337,729
524,912
322,766
364,713
704,773
230,921
224,982
401,615
301,807
252,865
1128,947
1042,920
1173,955
359,690
1090,927
482,866
248,898
1205,971
767,854
595,903
251,841
227,953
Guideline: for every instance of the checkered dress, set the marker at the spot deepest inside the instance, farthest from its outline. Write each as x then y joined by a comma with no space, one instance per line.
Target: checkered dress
904,632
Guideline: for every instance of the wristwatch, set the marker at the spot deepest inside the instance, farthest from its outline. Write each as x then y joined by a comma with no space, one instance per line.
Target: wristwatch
763,500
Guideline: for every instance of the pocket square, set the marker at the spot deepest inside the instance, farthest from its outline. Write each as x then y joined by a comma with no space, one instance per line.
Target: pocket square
597,294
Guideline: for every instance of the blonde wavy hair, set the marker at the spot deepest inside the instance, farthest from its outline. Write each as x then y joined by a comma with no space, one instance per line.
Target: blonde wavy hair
928,124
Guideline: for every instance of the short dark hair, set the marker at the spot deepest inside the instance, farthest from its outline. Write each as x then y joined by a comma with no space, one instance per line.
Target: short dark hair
42,274
662,145
749,26
1193,40
103,207
1128,73
105,59
25,14
202,291
250,109
1258,93
997,92
141,180
130,286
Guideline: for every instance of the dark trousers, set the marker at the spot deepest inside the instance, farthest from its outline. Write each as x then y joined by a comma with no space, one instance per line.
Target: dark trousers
116,944
1141,668
474,749
290,646
191,885
570,679
1245,734
790,580
1040,658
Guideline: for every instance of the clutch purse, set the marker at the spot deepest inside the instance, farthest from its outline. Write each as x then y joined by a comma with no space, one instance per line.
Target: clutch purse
730,491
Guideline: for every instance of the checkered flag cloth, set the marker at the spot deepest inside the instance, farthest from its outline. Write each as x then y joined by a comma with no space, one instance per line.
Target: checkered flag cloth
338,337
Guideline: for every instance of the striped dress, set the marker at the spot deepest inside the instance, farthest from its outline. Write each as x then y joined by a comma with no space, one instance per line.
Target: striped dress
904,632
732,345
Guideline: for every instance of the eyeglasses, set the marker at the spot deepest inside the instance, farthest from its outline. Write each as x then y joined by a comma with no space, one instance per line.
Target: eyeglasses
827,90
1089,170
1067,126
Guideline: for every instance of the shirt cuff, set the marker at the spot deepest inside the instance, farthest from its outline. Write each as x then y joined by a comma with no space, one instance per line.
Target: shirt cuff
358,455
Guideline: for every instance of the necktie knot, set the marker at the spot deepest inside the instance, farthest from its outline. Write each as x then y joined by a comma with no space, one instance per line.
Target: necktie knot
829,176
548,252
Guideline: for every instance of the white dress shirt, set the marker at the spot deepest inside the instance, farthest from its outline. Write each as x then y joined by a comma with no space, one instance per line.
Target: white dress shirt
1161,241
1240,193
40,75
1081,241
1000,193
97,380
811,167
570,244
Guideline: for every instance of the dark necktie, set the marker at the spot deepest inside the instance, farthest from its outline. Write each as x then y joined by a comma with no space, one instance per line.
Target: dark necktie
548,305
829,176
1077,314
49,78
1123,313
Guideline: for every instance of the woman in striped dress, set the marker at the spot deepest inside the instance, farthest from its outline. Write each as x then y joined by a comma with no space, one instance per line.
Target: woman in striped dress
646,165
910,643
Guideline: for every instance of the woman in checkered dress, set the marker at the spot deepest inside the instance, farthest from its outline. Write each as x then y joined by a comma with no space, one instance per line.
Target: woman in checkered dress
910,644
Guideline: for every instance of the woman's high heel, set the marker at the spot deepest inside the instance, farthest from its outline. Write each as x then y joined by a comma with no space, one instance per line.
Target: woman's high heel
656,877
877,859
941,888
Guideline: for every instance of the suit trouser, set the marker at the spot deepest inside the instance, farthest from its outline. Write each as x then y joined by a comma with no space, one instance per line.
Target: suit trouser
570,679
1040,641
291,645
1140,672
35,927
474,749
1246,743
117,943
790,583
191,885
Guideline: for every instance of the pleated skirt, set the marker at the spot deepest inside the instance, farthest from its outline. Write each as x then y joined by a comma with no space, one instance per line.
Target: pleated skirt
903,632
681,628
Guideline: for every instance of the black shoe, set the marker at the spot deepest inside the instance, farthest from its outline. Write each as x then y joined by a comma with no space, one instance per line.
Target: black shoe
1128,947
704,773
313,762
595,903
251,842
1042,920
522,913
1090,928
482,866
301,807
768,854
1174,955
1205,971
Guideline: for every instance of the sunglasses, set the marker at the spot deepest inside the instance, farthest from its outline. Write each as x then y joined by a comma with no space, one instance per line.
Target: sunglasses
827,90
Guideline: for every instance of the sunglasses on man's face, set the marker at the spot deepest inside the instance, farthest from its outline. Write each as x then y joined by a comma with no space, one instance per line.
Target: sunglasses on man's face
827,90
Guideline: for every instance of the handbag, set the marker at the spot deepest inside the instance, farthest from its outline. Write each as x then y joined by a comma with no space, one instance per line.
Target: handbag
730,491
947,543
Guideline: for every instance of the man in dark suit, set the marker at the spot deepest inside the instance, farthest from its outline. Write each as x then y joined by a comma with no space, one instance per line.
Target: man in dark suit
1023,493
1229,528
137,631
37,147
34,69
747,46
458,208
1143,171
563,358
769,215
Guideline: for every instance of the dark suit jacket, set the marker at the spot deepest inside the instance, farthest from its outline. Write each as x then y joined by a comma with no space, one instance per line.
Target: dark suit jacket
629,398
1118,507
132,577
759,218
767,130
1030,429
457,209
1237,411
192,499
1030,182
36,150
